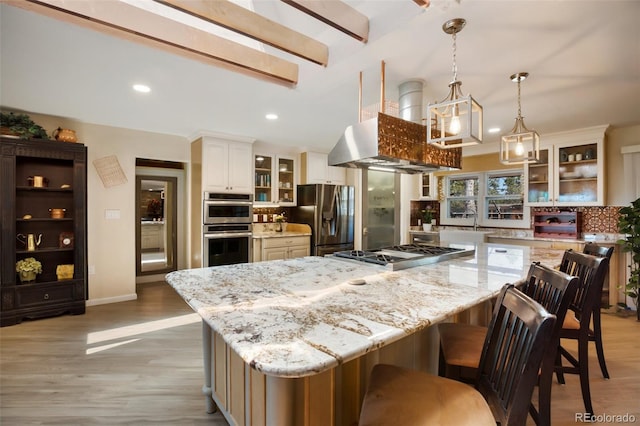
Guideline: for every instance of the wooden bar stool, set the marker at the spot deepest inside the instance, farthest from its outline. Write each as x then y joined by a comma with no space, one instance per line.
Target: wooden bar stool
461,344
515,344
595,335
592,272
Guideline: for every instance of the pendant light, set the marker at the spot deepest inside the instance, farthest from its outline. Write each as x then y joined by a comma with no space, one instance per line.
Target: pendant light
520,145
456,121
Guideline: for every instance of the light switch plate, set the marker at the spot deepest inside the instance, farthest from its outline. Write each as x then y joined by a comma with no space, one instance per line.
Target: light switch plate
112,214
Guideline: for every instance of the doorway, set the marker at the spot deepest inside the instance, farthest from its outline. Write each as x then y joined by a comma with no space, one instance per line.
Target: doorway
157,217
381,209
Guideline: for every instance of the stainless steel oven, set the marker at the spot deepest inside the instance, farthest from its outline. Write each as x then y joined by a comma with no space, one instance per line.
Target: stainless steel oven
226,244
227,237
227,208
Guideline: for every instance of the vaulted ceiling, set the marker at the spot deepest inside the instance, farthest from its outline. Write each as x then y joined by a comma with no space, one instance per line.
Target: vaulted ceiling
583,58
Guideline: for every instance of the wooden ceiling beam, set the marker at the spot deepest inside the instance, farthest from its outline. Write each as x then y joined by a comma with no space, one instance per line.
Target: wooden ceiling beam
243,21
337,14
132,23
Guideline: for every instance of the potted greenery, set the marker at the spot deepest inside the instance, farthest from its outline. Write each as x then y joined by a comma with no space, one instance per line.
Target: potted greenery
629,224
28,268
427,220
20,125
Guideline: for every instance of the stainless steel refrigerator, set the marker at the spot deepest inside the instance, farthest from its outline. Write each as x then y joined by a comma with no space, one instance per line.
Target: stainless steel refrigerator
329,210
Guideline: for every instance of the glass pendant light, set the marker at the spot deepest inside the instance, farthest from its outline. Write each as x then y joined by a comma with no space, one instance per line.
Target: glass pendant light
456,121
520,145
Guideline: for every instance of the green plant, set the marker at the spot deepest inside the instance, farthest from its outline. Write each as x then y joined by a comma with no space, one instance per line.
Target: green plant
29,265
22,126
629,224
279,218
427,216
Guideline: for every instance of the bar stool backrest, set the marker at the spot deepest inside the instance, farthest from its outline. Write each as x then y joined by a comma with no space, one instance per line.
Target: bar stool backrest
553,289
517,338
598,251
591,272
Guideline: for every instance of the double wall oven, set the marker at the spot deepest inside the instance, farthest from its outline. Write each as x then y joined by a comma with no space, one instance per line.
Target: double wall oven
227,235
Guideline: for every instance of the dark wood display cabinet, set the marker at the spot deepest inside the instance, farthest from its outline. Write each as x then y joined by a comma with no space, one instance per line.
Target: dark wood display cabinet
43,185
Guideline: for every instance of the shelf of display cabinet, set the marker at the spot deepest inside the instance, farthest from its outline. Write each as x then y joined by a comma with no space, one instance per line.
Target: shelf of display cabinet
42,189
571,163
262,169
45,250
44,219
580,180
538,182
558,224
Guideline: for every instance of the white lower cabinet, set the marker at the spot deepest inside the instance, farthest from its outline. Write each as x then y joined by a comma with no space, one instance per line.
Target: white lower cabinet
276,248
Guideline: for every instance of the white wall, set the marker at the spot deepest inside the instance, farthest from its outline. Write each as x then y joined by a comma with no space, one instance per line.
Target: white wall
111,243
617,194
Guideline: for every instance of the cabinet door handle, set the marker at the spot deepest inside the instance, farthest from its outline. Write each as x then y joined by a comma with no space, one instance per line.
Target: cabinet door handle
46,296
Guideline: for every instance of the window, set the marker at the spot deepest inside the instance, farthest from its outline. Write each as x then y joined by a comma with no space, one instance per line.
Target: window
489,199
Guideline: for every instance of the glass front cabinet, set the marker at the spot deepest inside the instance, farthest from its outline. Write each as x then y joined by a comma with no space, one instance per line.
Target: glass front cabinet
274,180
428,187
568,174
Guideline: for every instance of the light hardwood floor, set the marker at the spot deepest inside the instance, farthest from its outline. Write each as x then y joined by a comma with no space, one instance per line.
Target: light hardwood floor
140,363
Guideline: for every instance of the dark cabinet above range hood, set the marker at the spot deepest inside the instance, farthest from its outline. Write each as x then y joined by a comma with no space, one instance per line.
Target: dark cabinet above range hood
392,143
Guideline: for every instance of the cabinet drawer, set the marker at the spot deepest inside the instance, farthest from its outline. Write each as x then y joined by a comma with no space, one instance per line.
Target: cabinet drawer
284,242
34,295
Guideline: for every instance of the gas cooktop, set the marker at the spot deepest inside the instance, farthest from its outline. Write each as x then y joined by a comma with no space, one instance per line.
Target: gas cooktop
404,256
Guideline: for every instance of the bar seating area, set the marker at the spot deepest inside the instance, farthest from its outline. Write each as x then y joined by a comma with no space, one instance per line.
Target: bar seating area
518,335
571,293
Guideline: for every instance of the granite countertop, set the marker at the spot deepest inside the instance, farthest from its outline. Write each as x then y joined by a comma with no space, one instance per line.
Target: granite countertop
267,230
299,317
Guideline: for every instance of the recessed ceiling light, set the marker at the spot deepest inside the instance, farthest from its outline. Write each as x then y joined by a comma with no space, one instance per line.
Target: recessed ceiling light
494,130
142,88
271,116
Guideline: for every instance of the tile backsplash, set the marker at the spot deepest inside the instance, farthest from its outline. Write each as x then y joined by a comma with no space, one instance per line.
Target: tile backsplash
597,220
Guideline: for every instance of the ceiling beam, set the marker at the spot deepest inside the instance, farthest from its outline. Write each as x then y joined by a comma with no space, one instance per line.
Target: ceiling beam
243,21
130,22
337,14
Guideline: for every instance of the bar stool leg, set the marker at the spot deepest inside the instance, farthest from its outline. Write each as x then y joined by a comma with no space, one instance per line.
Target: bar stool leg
583,360
598,340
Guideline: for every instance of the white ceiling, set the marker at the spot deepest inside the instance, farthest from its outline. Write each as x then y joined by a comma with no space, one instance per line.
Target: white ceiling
583,58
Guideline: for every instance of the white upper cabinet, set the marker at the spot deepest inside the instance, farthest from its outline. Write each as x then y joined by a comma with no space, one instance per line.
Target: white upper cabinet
570,171
428,187
275,179
316,169
227,166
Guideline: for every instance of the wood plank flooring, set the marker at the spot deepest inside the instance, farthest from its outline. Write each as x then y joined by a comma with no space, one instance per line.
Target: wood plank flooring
140,363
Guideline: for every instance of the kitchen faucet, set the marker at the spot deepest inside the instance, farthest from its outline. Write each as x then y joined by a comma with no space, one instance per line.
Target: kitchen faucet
475,219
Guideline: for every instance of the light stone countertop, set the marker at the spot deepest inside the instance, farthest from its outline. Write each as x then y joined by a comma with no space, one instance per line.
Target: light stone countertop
299,317
267,230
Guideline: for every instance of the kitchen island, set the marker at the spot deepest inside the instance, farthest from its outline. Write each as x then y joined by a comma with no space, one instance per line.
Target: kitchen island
292,342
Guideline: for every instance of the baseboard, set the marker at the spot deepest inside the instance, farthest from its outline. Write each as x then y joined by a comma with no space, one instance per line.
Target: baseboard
116,299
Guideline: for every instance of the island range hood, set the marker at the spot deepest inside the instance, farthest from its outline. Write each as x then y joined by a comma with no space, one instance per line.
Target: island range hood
393,143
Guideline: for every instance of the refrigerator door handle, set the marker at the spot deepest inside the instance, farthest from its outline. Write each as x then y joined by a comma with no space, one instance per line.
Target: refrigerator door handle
337,205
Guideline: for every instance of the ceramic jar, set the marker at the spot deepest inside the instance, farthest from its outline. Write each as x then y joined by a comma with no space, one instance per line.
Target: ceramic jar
65,135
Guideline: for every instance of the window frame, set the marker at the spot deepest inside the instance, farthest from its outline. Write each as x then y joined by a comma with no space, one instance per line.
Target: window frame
483,202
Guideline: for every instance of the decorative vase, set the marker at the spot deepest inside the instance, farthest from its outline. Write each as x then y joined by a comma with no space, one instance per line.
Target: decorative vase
427,227
278,226
26,276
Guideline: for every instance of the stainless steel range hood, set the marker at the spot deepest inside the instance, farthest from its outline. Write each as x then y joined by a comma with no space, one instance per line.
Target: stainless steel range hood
397,144
392,143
